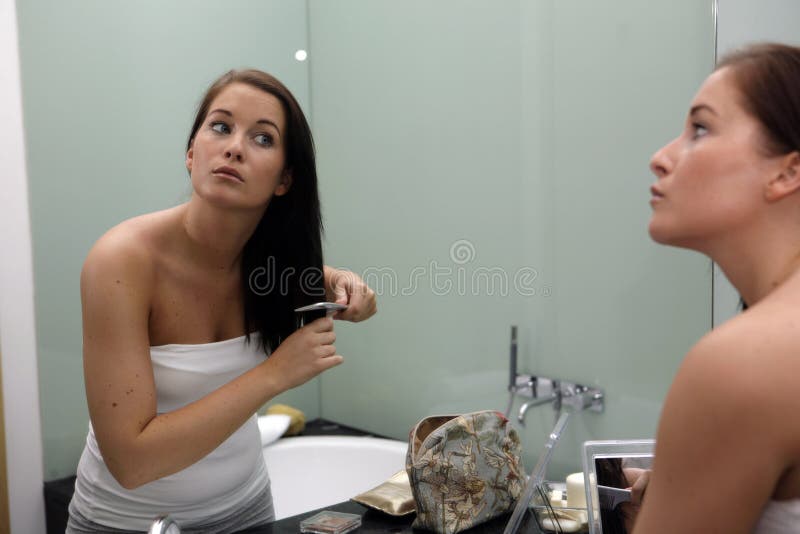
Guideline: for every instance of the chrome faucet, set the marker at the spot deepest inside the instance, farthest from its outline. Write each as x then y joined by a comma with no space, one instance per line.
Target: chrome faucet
164,525
581,398
531,404
542,390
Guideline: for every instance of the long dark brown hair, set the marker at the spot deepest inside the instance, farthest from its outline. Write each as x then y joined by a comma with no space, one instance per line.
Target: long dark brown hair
767,76
610,473
282,261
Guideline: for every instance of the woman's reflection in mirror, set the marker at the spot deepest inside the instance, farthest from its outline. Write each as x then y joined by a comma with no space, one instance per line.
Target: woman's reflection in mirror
616,473
181,348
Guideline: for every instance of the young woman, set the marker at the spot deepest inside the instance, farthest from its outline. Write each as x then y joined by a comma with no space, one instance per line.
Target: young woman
728,444
181,308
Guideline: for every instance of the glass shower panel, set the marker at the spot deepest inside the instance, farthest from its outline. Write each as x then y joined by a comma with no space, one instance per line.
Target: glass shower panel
467,144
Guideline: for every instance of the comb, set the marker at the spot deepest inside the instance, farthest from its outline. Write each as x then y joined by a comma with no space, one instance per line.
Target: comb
610,497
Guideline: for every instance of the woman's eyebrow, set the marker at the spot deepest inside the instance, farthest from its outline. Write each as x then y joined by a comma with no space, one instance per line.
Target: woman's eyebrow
267,121
259,121
699,107
220,110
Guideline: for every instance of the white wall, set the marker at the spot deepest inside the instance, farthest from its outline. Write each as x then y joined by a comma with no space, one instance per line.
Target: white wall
17,334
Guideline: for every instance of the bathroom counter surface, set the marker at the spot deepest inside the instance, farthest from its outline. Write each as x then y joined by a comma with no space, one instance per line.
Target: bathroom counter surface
374,522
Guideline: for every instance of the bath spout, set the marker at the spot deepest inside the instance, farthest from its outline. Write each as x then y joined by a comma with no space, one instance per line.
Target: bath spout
534,402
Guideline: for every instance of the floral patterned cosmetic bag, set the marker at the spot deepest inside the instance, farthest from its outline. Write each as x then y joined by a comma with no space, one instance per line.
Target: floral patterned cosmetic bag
463,469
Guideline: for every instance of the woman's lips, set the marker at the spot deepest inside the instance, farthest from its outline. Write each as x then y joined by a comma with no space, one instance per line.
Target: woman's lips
656,193
229,172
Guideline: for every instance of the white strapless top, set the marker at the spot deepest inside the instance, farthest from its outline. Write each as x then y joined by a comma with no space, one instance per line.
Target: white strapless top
780,517
231,474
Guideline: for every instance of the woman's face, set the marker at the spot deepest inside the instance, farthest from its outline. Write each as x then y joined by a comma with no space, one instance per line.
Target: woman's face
711,178
237,157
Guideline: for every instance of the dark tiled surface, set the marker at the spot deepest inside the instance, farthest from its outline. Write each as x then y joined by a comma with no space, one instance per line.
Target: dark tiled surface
323,427
374,522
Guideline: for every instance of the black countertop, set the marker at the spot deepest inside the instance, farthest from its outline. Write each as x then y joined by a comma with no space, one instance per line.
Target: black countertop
59,492
373,522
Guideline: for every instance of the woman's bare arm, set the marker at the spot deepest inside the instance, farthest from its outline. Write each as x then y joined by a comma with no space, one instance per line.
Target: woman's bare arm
718,454
139,446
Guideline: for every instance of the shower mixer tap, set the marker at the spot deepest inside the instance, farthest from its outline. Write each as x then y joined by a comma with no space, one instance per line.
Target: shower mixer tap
540,390
560,393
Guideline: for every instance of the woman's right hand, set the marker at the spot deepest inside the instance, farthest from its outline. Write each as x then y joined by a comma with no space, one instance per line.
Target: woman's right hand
639,484
306,353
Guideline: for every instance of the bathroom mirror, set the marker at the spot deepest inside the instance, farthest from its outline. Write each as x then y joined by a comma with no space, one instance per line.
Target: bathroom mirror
482,165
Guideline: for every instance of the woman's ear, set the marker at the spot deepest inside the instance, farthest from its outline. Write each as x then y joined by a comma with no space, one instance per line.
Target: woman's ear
285,185
190,156
788,179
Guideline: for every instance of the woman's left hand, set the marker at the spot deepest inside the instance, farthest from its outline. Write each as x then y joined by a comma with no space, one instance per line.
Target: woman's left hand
346,287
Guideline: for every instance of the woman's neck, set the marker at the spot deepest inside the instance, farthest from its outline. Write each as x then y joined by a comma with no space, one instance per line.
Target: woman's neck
215,237
755,269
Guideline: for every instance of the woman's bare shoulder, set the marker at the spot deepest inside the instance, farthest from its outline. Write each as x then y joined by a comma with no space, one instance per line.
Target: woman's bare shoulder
130,248
760,344
729,413
765,339
745,372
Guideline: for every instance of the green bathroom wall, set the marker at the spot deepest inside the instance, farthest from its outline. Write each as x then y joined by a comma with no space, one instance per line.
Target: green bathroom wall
109,90
461,138
482,164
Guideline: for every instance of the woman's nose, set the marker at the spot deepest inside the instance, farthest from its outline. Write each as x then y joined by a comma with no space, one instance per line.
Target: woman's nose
234,149
662,161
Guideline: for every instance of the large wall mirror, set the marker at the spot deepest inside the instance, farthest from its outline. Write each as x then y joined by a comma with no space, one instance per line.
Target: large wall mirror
482,165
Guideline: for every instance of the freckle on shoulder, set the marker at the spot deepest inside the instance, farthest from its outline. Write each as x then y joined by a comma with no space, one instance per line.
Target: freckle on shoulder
119,258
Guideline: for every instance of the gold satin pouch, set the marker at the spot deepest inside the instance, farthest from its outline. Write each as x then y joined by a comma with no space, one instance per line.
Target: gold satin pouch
393,497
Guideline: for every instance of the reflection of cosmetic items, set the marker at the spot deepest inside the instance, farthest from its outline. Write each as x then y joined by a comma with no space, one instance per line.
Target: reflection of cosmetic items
558,497
576,491
306,314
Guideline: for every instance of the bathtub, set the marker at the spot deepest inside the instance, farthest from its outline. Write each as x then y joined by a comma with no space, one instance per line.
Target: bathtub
310,472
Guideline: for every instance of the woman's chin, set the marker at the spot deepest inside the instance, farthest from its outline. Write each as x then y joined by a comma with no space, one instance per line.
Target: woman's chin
227,198
658,233
663,235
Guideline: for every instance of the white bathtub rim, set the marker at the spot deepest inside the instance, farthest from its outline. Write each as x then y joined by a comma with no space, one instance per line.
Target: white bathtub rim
333,441
310,472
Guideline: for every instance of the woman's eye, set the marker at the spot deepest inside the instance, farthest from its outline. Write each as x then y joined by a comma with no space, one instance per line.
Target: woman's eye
220,127
263,139
698,130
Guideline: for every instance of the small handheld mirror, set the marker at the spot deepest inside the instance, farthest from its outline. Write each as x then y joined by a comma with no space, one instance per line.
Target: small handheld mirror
607,466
